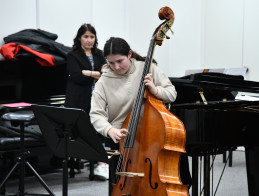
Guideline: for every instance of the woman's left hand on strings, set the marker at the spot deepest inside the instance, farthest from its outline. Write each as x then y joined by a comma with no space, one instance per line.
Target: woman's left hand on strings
148,81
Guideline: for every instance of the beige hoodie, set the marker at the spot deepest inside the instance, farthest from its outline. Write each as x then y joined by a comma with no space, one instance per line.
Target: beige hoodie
114,95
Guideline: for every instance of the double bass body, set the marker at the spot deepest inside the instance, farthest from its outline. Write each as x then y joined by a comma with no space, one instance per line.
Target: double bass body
154,158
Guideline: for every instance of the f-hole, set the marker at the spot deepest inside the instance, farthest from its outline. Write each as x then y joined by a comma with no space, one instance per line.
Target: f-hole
150,174
125,178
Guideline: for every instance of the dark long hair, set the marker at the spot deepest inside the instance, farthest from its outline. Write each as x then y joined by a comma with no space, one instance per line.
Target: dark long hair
80,32
116,45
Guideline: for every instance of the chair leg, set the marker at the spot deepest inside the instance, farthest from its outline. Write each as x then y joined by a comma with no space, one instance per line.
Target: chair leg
91,175
2,175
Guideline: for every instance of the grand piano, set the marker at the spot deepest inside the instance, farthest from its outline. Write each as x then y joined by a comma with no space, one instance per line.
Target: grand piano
216,121
26,80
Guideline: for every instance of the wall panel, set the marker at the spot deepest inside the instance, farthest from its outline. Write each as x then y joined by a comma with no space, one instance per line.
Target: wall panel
16,15
251,39
208,33
109,19
64,17
223,41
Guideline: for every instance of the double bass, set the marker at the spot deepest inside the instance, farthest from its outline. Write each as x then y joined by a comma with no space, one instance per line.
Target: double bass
150,154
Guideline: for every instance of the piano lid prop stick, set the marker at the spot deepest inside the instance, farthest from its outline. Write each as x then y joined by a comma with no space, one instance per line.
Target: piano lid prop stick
203,97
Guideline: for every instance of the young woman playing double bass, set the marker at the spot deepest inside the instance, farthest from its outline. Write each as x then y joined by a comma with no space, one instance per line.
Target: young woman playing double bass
116,90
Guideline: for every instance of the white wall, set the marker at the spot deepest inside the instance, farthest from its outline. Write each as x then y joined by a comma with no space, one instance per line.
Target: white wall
64,17
207,33
251,39
109,19
16,15
223,40
231,29
185,46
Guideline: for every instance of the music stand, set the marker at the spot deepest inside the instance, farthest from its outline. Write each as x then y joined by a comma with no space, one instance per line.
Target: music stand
69,133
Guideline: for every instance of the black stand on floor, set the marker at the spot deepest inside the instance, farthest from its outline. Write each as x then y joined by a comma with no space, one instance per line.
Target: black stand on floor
21,117
69,133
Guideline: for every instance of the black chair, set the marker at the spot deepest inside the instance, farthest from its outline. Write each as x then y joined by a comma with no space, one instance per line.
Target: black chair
69,134
21,118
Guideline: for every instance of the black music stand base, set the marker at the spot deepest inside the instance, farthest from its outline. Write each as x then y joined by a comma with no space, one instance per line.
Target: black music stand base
21,160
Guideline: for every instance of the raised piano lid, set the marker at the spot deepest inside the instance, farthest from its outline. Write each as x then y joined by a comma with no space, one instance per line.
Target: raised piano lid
217,87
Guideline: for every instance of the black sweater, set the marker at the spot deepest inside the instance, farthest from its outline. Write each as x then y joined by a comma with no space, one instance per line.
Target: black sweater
79,86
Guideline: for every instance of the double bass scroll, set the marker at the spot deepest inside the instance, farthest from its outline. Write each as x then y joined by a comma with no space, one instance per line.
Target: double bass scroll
150,154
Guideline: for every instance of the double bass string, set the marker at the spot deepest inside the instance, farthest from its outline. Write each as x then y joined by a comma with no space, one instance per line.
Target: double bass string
138,103
139,97
129,141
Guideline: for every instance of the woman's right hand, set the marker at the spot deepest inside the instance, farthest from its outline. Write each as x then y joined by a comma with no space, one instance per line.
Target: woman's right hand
117,134
94,74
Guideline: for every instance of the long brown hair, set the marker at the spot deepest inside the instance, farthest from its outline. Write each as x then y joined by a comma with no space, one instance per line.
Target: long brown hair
83,28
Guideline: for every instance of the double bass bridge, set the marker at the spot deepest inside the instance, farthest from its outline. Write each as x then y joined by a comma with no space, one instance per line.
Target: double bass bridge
130,174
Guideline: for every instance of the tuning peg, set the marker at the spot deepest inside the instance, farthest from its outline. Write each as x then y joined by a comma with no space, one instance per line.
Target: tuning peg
171,31
167,37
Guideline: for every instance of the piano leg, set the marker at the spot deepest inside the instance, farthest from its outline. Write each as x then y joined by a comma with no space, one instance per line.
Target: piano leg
206,175
252,163
224,156
230,158
195,175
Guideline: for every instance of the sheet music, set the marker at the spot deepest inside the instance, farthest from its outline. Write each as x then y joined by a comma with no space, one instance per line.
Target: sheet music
247,96
230,71
194,71
236,71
